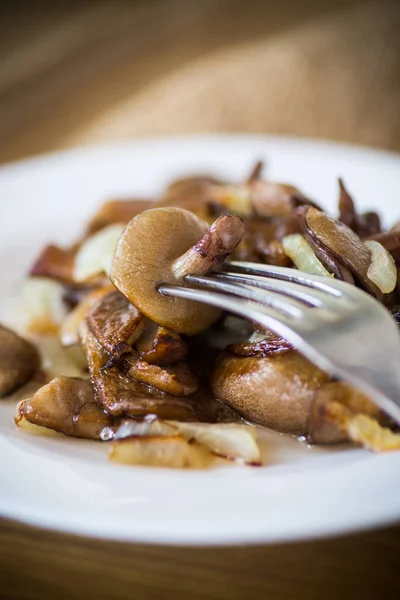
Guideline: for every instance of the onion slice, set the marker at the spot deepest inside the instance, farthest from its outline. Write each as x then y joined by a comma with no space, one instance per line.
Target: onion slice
227,440
382,270
301,253
39,308
96,253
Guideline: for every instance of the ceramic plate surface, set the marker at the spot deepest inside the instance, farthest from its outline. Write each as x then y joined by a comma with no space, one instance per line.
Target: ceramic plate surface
67,484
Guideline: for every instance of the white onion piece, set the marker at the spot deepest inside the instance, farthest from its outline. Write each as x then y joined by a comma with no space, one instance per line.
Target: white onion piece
70,324
39,307
302,255
229,440
96,253
382,270
150,426
171,451
57,360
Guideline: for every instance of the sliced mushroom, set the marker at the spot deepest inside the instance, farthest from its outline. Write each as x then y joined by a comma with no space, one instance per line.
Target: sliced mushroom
259,197
261,241
116,323
260,347
116,211
364,225
19,360
324,427
342,242
276,391
191,193
121,395
68,406
56,263
162,246
176,380
273,253
160,346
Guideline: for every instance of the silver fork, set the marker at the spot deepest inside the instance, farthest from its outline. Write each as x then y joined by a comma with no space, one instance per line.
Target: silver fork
338,327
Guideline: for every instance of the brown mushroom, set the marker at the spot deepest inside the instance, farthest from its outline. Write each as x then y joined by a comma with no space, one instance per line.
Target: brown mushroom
66,405
162,246
160,346
259,197
364,225
328,259
121,395
276,391
177,380
116,323
191,193
342,242
56,263
19,360
261,348
116,211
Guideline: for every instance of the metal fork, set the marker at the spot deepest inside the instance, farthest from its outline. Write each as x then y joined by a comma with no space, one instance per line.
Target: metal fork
338,327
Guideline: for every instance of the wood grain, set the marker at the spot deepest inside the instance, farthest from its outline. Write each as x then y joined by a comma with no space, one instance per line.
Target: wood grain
38,564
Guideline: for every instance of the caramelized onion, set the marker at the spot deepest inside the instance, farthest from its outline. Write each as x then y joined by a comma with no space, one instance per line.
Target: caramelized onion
302,255
96,253
382,270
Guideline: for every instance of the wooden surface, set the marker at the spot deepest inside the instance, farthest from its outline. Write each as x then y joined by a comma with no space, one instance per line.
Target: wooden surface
36,564
74,72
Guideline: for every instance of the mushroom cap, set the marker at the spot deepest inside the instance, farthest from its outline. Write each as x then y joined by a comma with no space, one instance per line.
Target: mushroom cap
276,391
144,257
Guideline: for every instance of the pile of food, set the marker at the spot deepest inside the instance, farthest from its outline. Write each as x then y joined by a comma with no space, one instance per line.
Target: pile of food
170,382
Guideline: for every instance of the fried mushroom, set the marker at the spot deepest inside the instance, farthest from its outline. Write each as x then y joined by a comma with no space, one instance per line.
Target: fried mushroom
342,242
162,246
276,391
116,324
160,346
116,211
66,405
19,360
121,395
56,263
176,380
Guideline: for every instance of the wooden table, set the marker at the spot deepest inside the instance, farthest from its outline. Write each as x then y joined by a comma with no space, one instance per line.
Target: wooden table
72,72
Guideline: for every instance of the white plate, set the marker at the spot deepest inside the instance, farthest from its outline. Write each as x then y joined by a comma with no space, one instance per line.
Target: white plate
68,484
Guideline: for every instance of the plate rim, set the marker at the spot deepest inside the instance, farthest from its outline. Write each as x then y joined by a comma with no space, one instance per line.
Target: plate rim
89,150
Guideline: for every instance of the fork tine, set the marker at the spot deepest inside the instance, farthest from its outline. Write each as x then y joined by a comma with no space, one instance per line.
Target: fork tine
249,309
281,303
303,293
287,274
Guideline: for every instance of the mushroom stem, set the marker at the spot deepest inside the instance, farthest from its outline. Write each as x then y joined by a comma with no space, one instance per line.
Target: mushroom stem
216,244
